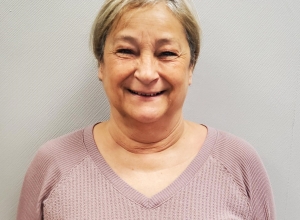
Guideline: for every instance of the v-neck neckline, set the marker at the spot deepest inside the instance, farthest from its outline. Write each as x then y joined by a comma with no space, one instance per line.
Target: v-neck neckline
126,190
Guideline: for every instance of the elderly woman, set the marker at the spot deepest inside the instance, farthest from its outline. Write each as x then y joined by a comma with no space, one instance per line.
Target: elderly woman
146,161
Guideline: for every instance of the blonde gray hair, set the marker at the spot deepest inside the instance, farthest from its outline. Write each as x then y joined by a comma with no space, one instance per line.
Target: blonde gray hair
112,10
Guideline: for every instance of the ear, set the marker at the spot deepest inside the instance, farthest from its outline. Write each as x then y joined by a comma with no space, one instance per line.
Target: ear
100,71
191,69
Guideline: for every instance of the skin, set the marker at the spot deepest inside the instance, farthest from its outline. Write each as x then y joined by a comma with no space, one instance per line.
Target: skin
146,72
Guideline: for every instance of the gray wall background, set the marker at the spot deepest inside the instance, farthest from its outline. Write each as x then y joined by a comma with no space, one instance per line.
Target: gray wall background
247,82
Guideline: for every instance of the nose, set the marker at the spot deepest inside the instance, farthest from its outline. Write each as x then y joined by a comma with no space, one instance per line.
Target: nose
146,71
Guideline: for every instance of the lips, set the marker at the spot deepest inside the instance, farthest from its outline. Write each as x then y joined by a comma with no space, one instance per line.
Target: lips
148,94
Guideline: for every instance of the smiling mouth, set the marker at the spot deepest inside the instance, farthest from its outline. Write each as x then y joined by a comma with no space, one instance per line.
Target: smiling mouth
146,94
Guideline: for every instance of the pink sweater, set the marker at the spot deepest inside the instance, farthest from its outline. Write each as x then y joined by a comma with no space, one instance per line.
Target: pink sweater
69,179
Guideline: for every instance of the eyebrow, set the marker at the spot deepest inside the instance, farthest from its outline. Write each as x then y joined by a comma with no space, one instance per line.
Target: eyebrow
125,38
159,42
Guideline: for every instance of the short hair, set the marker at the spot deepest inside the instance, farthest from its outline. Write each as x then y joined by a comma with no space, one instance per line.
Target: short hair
112,10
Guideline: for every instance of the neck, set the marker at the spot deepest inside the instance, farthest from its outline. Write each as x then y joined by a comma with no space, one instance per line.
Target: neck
145,138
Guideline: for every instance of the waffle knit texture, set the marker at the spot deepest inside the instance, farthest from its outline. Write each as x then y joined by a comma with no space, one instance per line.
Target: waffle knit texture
69,180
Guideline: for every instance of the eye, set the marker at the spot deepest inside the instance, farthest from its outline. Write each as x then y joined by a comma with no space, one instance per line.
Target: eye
125,51
167,55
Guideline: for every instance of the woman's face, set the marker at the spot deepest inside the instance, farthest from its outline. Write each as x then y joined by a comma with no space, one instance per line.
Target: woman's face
146,65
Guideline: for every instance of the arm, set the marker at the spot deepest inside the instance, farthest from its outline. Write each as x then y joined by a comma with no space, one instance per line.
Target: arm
54,160
242,161
38,182
260,192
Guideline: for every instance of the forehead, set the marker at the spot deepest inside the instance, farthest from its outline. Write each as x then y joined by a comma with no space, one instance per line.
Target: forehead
157,18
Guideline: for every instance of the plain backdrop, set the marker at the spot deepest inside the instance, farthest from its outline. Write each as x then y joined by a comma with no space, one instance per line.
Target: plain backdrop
247,82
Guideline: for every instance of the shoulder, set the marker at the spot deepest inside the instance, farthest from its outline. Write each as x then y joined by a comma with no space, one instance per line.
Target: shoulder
231,149
244,165
52,162
237,156
61,152
56,157
70,146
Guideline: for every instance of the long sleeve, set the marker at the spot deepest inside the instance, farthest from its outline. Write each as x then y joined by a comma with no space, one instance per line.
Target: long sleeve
260,192
51,163
69,179
244,164
37,184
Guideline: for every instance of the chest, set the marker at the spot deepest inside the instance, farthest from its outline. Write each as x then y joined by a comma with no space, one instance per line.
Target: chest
87,193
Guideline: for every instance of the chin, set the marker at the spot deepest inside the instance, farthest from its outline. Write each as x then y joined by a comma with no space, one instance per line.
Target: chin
147,120
147,117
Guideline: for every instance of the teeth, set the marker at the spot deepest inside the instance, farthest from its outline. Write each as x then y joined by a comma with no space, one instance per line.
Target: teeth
144,94
153,94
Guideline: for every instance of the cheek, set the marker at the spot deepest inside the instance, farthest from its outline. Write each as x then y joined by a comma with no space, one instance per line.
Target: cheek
120,69
180,77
